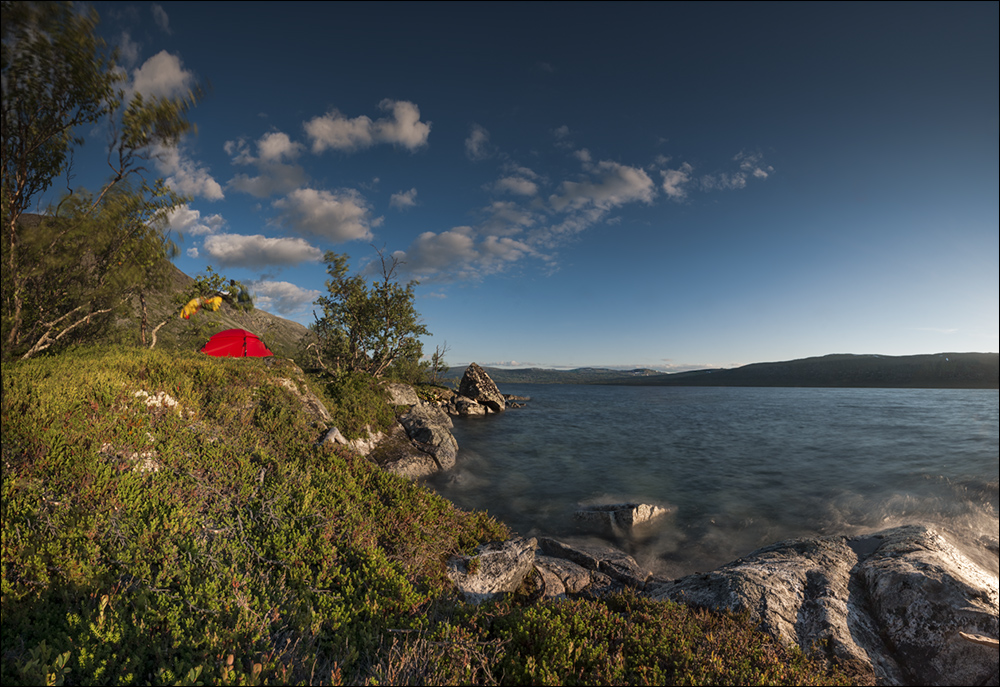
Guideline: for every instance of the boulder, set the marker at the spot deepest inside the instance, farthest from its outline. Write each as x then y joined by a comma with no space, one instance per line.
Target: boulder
495,568
478,386
430,427
897,601
621,519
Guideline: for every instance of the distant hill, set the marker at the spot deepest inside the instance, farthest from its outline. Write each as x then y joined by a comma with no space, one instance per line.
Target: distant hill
937,371
538,375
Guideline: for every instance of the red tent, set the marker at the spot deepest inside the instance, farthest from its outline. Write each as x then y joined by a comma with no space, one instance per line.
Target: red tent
236,343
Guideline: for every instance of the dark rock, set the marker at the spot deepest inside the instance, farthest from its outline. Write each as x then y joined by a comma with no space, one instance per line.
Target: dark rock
478,386
431,427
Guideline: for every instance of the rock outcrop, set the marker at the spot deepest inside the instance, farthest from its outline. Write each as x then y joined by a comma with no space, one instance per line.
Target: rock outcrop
896,600
430,428
478,386
495,568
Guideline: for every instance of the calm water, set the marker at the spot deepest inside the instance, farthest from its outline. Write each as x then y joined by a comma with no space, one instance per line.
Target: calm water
743,467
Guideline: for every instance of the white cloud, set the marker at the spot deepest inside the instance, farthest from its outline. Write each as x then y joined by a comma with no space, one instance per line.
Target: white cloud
674,181
516,185
338,216
275,146
282,296
275,174
477,145
507,218
617,185
334,130
583,155
458,253
162,76
185,220
161,18
192,252
236,250
186,176
404,199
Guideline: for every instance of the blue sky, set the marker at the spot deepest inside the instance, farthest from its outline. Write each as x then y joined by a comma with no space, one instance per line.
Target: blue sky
659,185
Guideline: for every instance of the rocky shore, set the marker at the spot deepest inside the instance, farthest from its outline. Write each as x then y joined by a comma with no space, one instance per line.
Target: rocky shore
907,603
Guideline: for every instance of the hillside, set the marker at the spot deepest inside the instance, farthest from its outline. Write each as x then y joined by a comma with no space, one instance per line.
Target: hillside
168,518
938,371
281,336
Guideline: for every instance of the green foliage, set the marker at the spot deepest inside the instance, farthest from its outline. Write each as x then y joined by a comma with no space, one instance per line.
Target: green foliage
359,404
57,76
169,519
367,329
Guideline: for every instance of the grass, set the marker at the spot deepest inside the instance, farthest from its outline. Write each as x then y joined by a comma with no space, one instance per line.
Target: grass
195,533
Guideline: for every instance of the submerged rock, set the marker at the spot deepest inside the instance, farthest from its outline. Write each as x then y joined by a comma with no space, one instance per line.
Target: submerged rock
621,519
897,601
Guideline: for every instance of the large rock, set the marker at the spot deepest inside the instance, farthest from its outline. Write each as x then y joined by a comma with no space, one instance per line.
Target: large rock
431,427
896,600
496,568
397,454
478,386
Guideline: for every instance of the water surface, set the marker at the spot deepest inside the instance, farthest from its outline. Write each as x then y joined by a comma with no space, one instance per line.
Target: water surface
743,467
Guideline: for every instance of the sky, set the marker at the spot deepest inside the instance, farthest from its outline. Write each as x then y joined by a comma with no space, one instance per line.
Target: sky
660,185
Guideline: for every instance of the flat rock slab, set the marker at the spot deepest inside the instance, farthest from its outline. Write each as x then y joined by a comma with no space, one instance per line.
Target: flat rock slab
896,601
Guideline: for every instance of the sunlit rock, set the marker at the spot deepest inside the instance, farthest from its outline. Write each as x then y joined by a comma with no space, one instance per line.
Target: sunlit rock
478,386
495,568
897,601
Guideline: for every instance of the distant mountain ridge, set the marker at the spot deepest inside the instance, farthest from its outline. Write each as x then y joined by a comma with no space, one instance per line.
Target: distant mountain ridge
930,371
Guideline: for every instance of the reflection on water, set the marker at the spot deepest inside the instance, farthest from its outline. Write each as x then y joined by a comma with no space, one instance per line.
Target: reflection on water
743,467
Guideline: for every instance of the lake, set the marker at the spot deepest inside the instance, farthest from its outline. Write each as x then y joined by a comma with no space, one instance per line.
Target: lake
743,467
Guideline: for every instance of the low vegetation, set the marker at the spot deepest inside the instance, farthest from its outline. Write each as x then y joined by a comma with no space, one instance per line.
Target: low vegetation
169,519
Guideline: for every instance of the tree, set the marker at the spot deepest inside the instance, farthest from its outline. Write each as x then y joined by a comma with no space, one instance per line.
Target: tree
58,75
438,366
367,328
